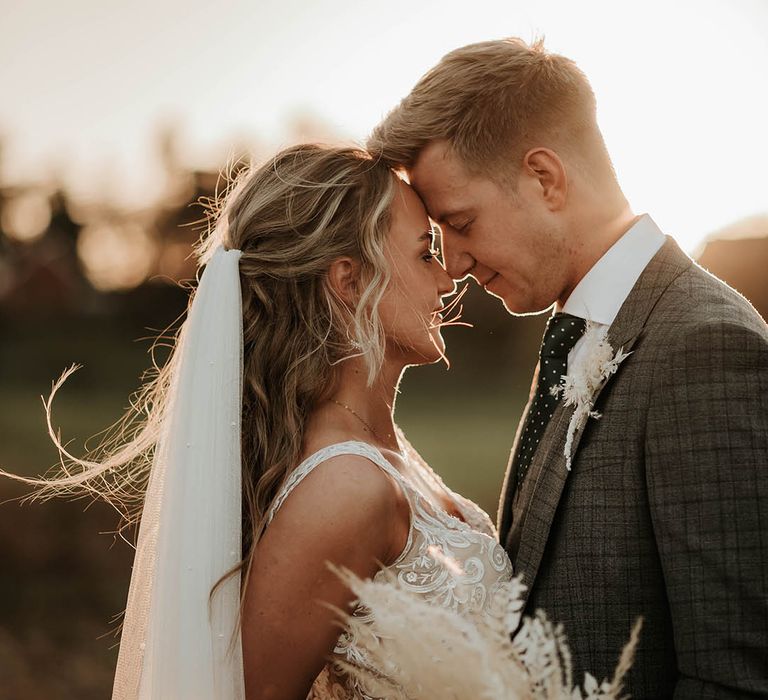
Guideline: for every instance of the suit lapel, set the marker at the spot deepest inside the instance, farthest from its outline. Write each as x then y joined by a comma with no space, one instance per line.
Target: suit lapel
668,263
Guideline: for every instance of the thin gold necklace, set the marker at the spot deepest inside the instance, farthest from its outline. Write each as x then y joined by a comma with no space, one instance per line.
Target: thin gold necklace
356,415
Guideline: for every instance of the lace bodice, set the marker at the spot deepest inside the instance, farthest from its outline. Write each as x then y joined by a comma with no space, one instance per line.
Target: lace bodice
453,563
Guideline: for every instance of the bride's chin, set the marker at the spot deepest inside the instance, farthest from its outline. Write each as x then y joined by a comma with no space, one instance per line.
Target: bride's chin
426,352
423,360
434,353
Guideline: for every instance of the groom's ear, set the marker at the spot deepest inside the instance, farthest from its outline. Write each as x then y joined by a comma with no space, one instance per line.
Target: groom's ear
549,174
343,278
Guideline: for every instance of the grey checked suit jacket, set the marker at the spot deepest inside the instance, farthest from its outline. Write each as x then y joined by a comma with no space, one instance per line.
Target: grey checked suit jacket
665,512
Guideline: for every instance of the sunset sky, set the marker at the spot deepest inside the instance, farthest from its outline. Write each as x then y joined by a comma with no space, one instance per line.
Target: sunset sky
681,86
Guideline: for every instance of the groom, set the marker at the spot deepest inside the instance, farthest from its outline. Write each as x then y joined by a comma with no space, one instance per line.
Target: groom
664,512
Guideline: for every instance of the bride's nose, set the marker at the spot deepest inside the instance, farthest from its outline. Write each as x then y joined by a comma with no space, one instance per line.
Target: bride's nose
445,285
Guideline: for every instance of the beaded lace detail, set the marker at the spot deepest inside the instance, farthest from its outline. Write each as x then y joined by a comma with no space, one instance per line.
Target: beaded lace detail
450,562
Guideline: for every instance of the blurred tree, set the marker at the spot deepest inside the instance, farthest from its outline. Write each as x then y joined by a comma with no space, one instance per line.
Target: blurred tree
43,273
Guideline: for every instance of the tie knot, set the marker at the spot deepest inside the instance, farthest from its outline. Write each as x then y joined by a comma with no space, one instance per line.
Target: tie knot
562,333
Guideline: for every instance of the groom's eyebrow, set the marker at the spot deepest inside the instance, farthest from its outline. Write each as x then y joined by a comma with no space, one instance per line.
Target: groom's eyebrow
444,216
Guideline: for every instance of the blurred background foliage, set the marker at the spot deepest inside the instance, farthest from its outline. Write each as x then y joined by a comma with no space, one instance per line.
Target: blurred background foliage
94,284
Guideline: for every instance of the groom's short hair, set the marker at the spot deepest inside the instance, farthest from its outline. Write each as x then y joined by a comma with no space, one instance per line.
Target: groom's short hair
491,102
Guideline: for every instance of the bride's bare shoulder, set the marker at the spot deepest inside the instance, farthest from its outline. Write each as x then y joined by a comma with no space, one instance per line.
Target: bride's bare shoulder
345,500
344,512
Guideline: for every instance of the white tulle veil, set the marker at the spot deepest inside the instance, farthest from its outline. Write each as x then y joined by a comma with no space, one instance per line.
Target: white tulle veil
178,641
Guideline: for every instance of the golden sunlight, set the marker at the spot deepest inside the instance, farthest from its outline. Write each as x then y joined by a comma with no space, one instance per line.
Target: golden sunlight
677,85
116,256
27,216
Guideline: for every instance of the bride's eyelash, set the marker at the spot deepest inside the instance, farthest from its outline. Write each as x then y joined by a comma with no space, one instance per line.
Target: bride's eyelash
430,255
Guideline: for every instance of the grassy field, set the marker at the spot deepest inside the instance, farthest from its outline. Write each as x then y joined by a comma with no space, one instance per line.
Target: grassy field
64,578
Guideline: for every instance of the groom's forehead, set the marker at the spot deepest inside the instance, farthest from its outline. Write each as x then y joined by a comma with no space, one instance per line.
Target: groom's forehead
438,166
439,180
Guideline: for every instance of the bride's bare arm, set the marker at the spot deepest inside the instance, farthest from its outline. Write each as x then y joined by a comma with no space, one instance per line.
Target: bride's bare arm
347,511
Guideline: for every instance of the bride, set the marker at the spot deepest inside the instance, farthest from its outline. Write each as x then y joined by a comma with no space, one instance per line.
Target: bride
266,447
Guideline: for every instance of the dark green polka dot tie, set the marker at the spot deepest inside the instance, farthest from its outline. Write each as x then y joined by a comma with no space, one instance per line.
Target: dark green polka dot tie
561,334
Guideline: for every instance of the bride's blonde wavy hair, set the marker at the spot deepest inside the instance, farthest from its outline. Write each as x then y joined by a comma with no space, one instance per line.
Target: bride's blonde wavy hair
291,218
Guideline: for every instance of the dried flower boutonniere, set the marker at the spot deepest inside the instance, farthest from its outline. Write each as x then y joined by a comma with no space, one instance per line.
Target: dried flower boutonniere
579,388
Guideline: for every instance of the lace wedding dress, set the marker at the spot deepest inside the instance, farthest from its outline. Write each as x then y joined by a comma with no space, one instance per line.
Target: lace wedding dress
453,562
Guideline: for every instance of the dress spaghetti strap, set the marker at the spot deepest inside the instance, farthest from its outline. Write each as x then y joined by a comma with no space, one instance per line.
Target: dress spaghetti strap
351,447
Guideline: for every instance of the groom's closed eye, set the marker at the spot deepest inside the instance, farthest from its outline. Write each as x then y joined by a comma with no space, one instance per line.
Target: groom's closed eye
461,226
453,216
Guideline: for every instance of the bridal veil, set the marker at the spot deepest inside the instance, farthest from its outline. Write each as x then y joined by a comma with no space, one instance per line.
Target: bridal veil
178,640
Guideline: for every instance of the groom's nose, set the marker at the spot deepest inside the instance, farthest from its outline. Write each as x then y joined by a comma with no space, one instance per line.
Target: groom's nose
458,263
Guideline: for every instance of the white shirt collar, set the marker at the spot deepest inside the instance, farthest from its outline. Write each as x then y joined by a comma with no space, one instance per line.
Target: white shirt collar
602,291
